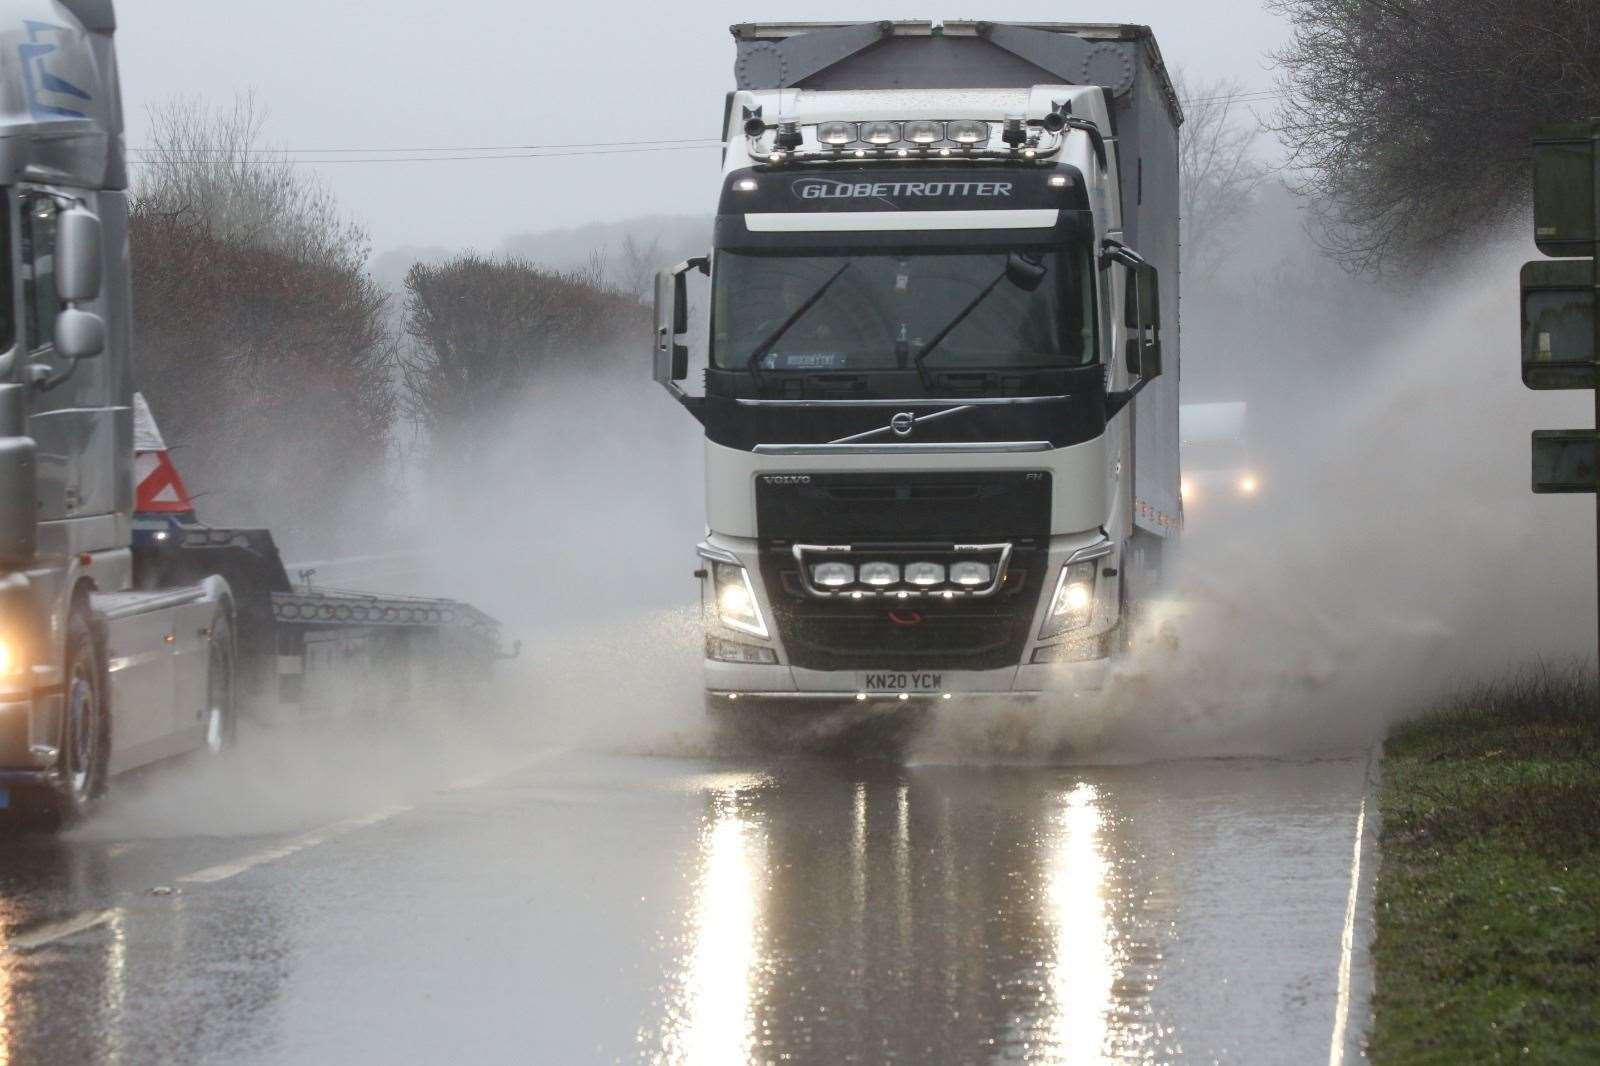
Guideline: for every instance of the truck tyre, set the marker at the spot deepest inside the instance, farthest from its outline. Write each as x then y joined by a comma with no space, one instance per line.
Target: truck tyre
221,721
85,725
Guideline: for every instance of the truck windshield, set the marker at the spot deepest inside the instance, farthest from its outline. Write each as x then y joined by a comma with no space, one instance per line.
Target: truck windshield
880,309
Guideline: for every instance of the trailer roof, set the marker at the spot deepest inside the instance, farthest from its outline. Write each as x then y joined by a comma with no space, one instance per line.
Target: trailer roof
834,41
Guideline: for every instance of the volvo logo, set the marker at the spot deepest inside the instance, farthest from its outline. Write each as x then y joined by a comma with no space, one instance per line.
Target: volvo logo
902,423
787,479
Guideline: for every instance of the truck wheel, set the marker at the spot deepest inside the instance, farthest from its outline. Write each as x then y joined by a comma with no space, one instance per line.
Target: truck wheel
221,724
85,726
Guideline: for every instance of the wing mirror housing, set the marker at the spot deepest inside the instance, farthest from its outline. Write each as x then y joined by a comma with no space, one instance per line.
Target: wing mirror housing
671,356
1141,317
75,334
77,254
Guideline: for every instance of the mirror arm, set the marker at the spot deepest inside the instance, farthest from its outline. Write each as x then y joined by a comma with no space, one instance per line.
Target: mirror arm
1116,401
40,378
1114,251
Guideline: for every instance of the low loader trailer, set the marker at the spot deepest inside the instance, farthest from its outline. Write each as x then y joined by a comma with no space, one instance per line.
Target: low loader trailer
129,631
940,384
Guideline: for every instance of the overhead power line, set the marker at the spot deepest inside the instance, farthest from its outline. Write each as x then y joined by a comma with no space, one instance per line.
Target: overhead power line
202,156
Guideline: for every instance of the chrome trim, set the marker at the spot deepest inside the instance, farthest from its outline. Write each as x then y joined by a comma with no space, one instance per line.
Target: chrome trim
799,551
953,448
718,555
1096,550
902,428
979,401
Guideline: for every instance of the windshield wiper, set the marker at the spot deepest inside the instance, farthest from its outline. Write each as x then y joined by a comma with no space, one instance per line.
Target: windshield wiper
1024,271
794,316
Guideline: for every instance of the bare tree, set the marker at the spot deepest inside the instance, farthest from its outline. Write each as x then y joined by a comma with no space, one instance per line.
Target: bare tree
262,343
486,331
211,164
1218,174
1410,121
636,265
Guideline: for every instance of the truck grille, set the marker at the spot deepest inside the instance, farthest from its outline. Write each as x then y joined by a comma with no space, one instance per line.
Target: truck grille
925,633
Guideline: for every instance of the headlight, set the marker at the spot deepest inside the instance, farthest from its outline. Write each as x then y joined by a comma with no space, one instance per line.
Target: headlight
836,133
924,132
1248,485
969,131
1072,607
880,132
736,599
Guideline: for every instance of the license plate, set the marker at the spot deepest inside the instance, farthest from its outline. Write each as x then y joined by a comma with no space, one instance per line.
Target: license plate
902,682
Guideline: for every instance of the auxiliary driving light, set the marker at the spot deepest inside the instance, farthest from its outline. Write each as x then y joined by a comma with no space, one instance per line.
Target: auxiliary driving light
836,134
969,132
833,575
879,574
971,574
924,574
924,131
880,133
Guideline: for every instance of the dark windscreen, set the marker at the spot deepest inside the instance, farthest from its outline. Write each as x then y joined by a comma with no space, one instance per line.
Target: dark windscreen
882,308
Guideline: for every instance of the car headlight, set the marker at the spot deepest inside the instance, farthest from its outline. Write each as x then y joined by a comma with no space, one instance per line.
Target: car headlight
736,599
1072,607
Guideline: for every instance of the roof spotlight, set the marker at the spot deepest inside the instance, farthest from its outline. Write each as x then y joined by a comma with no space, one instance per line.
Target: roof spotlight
924,131
880,133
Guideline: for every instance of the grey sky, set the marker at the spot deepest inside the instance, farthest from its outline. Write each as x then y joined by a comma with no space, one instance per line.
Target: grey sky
426,74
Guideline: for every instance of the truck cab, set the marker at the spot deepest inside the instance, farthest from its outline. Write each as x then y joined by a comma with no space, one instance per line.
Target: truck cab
95,676
939,402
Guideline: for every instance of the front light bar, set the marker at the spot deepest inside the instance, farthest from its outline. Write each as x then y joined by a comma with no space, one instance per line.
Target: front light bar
845,571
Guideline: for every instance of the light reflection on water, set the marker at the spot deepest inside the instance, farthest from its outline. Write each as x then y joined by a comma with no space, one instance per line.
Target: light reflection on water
1083,971
946,916
711,1020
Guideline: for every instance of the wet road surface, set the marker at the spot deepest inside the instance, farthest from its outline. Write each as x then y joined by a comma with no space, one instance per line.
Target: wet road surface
578,907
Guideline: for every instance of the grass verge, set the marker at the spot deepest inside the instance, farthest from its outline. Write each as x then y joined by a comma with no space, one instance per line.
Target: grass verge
1488,891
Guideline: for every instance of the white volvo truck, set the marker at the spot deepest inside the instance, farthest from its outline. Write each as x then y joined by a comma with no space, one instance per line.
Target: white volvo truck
940,393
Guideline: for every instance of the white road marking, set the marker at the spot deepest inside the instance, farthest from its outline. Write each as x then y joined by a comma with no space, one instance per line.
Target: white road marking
223,871
1347,939
300,843
54,931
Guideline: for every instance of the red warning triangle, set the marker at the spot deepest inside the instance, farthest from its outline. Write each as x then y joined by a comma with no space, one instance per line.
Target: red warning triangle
159,489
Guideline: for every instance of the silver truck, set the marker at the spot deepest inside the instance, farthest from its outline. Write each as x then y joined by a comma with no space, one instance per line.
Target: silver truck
940,394
125,637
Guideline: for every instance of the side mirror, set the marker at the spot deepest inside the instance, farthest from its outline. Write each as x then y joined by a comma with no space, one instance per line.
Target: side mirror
1142,316
671,359
77,255
78,334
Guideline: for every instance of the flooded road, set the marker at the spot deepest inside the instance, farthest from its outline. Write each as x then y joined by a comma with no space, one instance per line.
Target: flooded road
579,907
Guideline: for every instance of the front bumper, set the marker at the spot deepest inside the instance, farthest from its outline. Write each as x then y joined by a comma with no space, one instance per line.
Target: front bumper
1025,679
788,683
